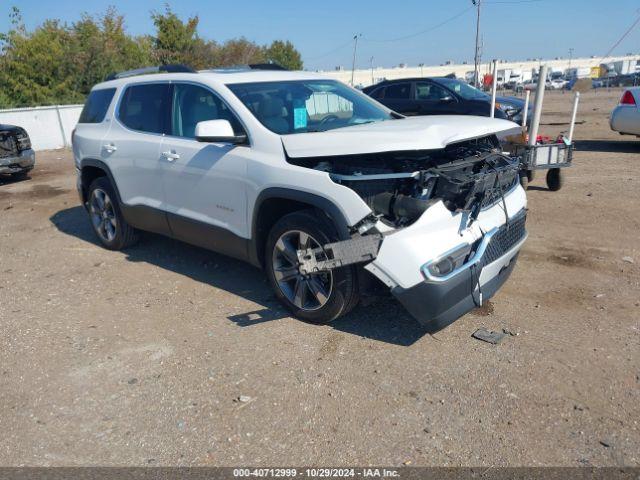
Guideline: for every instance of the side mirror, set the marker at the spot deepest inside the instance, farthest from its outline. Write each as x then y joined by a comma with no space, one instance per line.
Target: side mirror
218,131
447,99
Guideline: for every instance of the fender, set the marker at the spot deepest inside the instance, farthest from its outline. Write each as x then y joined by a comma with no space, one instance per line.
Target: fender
331,209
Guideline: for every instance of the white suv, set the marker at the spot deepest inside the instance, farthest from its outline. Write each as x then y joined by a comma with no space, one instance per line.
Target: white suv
308,178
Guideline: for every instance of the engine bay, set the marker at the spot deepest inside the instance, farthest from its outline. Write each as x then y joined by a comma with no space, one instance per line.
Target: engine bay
400,186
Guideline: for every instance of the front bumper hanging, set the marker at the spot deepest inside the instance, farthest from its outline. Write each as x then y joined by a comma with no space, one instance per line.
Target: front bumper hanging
437,302
22,162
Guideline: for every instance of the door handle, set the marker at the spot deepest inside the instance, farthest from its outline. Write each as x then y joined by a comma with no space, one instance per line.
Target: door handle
110,148
171,156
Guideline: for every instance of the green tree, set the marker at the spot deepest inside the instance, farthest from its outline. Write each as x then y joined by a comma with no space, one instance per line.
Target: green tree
59,63
101,46
285,54
175,41
239,51
34,68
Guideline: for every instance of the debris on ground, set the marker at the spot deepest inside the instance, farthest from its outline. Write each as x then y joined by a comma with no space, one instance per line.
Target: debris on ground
485,310
488,336
510,331
628,260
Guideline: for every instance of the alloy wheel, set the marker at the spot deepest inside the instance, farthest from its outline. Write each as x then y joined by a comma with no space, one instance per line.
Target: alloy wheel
305,291
103,215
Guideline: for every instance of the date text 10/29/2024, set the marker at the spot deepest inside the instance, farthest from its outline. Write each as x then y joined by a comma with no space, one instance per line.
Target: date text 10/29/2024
316,472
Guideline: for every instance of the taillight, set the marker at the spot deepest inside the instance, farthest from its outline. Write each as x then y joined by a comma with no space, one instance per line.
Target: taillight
627,98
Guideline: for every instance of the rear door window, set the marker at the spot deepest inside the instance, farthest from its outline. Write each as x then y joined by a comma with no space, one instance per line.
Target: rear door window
430,92
97,105
146,107
398,91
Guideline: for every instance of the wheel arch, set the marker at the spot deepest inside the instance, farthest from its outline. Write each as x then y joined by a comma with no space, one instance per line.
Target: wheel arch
90,169
273,203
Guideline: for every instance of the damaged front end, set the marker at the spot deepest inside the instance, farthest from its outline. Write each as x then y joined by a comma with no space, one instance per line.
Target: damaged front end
400,186
445,228
16,154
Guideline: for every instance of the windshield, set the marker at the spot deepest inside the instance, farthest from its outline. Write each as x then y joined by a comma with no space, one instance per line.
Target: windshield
463,89
308,105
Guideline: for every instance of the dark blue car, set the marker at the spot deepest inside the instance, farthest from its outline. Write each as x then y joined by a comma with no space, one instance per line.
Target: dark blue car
442,96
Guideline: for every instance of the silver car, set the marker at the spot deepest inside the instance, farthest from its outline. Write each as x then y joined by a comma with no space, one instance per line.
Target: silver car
625,118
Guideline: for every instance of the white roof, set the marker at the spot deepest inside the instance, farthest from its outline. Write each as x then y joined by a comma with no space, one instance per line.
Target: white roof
222,76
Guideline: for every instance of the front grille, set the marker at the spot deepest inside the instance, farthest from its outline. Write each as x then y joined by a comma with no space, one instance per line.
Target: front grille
494,194
8,146
507,236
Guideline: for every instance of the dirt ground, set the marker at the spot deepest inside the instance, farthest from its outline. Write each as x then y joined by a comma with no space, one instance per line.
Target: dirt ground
141,357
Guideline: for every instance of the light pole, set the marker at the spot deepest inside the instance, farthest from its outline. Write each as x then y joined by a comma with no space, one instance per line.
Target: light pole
421,65
476,55
371,65
570,56
355,48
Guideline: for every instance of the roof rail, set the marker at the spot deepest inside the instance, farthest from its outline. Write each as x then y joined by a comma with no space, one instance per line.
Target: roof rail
246,68
173,68
267,66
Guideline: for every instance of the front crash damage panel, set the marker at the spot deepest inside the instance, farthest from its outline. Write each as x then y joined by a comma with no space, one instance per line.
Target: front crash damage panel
359,249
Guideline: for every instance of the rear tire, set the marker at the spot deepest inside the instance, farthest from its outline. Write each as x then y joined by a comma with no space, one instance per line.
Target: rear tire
317,298
106,217
554,179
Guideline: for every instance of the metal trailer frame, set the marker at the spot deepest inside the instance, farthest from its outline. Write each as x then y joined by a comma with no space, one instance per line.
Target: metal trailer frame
551,157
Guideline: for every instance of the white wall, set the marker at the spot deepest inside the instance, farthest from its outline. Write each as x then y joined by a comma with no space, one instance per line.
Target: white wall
363,77
48,127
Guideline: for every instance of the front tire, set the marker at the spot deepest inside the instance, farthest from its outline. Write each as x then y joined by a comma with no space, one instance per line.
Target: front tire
319,297
20,175
106,217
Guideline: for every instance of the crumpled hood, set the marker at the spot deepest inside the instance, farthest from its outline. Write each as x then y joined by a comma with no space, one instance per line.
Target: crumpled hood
412,133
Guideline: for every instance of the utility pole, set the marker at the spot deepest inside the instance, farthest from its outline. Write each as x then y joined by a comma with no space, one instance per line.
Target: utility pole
355,48
371,65
421,65
570,56
476,59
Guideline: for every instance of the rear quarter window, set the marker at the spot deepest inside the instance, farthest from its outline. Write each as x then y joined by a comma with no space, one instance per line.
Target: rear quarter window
97,105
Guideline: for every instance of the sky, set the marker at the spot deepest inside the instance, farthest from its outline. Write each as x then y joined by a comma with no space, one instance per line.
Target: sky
392,32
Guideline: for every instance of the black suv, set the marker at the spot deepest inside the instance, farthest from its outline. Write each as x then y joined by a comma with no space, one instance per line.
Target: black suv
16,156
441,96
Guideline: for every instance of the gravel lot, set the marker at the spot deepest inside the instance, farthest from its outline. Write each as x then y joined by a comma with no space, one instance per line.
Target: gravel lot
142,357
